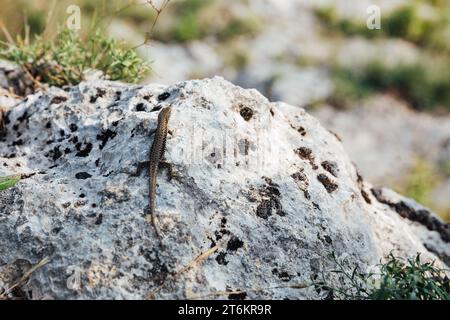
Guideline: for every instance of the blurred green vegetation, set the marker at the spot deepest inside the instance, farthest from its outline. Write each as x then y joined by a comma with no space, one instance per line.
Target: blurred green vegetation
424,84
197,19
420,182
408,22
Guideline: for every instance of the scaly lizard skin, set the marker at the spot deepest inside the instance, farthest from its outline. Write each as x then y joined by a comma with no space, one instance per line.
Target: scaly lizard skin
156,155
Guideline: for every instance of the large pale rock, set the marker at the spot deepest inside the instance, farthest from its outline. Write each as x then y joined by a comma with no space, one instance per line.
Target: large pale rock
261,195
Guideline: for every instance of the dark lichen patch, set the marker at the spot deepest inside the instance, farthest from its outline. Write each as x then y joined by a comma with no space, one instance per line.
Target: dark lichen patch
99,219
221,258
140,107
163,96
246,113
365,196
283,275
73,127
269,198
422,216
157,108
237,296
234,243
25,116
83,152
100,94
302,181
82,175
159,271
58,100
54,154
307,154
104,136
329,185
300,130
331,167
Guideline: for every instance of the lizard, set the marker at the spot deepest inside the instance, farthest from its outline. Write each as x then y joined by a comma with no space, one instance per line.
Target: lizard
156,155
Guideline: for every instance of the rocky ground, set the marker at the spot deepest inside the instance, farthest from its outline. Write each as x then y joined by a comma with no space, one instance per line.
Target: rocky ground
259,197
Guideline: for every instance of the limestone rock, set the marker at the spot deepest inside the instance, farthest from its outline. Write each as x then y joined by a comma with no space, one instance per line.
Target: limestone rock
260,196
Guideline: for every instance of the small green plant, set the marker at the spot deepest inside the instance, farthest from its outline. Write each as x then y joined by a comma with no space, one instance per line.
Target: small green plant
396,279
8,182
64,60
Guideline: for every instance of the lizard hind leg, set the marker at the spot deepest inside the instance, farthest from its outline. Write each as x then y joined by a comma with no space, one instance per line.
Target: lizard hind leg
171,172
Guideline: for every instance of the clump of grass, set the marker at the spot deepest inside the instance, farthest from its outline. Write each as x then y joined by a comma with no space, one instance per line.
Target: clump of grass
396,279
64,60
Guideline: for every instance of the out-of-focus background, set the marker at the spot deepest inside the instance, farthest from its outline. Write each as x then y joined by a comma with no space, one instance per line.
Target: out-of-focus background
385,92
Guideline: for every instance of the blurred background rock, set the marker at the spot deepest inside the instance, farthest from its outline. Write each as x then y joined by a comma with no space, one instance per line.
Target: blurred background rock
385,92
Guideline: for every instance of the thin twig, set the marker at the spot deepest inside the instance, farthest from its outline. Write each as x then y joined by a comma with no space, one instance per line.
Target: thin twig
25,277
198,260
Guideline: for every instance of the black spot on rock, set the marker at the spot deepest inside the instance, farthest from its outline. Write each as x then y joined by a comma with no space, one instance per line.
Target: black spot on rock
99,219
234,243
283,275
55,154
18,142
269,198
73,127
237,296
85,152
365,196
331,167
105,136
23,117
140,107
221,258
82,175
329,185
306,154
246,113
58,99
163,96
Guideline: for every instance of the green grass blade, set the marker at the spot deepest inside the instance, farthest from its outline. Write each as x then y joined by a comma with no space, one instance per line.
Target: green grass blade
8,181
